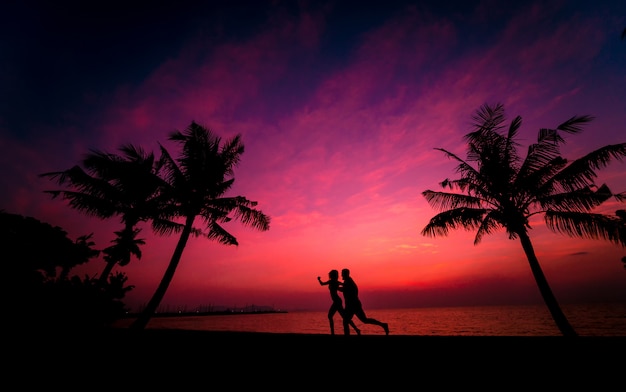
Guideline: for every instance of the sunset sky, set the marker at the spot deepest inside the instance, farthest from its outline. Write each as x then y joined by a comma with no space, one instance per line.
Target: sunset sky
340,108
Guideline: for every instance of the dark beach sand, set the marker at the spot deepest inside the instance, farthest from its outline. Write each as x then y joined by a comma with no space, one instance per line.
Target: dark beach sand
156,357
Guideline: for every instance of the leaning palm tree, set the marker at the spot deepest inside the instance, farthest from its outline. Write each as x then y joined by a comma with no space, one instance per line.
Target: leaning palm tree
503,191
125,185
198,181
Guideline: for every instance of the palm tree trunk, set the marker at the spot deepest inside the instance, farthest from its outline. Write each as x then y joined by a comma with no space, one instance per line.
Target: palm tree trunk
546,292
106,272
145,316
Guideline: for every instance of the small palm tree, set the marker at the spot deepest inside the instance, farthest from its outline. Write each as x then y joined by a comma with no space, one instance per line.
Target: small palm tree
125,245
198,181
504,191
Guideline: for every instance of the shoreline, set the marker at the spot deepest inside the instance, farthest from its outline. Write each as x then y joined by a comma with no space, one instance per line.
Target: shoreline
208,313
120,337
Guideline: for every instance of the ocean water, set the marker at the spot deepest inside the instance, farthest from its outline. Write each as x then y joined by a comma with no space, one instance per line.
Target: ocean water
527,320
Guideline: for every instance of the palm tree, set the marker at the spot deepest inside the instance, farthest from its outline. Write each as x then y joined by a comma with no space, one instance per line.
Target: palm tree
198,180
124,185
125,245
505,191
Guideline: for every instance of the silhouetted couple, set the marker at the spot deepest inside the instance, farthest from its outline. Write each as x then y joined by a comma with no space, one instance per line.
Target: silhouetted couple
353,305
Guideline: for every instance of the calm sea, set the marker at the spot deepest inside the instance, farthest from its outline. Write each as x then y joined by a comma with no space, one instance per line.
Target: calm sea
531,320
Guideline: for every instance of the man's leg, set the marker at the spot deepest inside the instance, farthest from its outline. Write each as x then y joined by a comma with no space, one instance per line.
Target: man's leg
347,317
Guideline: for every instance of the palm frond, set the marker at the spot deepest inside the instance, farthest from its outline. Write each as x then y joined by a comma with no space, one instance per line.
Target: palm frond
538,181
470,177
219,189
550,135
137,154
78,179
249,216
488,118
166,226
442,223
217,232
575,124
231,153
445,201
580,200
88,204
171,172
539,155
587,226
486,145
488,225
511,144
581,172
461,184
451,155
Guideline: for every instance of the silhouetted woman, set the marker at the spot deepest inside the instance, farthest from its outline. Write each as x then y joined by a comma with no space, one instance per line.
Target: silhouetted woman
333,284
353,304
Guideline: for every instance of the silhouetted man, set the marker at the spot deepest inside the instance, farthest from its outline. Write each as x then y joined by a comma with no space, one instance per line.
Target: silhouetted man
353,305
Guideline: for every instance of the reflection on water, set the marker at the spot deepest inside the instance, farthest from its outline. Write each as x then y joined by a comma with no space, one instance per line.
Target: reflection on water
532,320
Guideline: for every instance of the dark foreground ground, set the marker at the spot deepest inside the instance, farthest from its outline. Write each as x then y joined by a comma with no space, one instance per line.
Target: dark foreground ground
122,359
